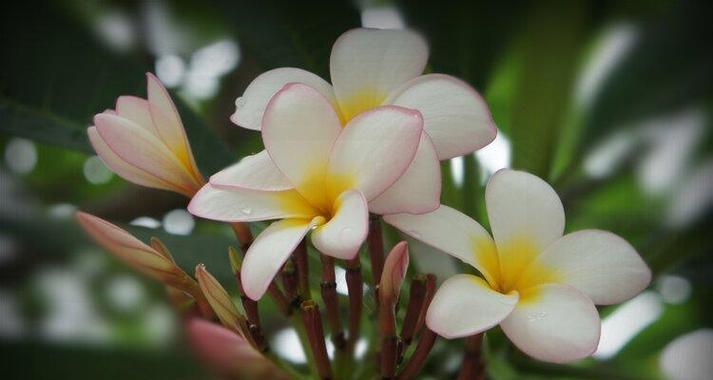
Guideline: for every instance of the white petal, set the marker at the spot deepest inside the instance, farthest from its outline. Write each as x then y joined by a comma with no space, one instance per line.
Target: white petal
248,205
256,172
342,235
136,110
269,252
250,108
454,233
523,206
167,121
419,188
465,305
454,114
600,264
367,64
299,128
374,150
554,323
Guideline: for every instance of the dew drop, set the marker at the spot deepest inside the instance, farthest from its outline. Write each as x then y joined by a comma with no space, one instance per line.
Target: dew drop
239,102
534,317
246,210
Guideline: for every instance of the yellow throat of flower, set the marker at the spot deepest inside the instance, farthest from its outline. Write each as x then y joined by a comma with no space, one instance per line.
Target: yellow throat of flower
359,102
513,266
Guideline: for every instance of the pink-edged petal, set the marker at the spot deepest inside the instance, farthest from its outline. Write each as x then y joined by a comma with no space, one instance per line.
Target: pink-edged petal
454,233
454,114
600,264
269,252
136,110
255,172
138,147
374,150
466,305
554,323
124,169
248,205
250,108
344,233
523,207
367,64
394,273
299,128
419,188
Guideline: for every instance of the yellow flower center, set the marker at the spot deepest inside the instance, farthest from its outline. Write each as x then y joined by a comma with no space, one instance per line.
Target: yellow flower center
359,102
513,266
319,193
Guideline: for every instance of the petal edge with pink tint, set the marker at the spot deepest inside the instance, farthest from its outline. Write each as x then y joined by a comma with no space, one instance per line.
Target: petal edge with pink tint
255,172
345,232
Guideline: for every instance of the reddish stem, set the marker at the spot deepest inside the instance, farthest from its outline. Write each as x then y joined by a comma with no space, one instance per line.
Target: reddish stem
418,359
315,333
376,249
473,366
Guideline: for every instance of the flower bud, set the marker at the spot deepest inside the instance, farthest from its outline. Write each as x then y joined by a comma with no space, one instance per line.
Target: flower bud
394,272
144,142
219,299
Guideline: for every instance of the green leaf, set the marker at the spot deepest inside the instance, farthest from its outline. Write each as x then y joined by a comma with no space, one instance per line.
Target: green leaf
290,34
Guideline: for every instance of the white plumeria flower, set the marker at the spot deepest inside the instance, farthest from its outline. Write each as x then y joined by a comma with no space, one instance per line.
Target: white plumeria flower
144,142
330,175
370,68
540,286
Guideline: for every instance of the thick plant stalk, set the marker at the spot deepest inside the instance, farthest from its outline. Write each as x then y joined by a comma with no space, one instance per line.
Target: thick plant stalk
250,306
473,366
331,301
302,267
418,359
315,333
417,297
375,242
355,285
290,283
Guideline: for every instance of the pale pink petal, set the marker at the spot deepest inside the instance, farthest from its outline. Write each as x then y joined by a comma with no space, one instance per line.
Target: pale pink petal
374,150
344,233
366,65
600,264
250,108
454,114
465,305
299,128
419,188
522,207
248,205
256,172
454,233
554,323
124,169
138,147
136,110
269,252
395,267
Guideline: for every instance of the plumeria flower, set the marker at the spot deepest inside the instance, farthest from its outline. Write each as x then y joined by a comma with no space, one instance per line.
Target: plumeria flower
144,142
370,68
540,286
330,176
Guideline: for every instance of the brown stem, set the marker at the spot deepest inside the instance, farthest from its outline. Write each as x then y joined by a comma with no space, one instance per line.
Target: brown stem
355,285
418,359
315,333
242,232
250,305
331,301
376,248
473,366
389,340
430,292
417,296
302,264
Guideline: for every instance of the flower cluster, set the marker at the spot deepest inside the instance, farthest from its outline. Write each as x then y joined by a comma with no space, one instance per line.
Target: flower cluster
338,158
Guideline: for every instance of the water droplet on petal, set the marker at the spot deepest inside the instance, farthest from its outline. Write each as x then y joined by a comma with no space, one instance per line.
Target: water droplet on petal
534,317
246,210
239,102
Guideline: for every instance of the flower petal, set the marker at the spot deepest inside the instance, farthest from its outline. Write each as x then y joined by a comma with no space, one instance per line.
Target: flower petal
394,274
454,233
465,305
299,128
256,172
136,110
454,114
523,206
419,188
600,264
124,169
138,147
554,323
367,64
248,205
269,252
374,150
342,235
164,114
250,108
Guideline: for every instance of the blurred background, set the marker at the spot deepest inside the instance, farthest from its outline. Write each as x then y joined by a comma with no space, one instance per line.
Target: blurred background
610,101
